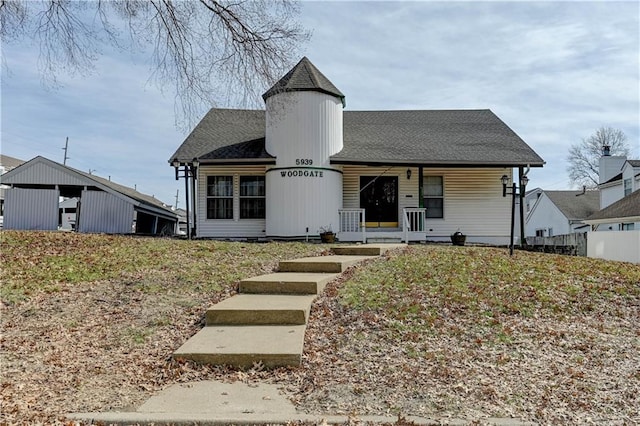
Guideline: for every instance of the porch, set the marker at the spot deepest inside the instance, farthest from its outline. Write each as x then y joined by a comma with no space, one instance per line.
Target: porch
352,227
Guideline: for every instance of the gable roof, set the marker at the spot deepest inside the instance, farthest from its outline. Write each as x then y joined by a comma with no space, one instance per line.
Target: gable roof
426,137
634,163
613,179
138,198
9,162
575,205
303,77
625,209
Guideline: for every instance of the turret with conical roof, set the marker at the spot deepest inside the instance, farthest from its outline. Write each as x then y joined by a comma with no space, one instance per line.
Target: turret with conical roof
305,77
303,131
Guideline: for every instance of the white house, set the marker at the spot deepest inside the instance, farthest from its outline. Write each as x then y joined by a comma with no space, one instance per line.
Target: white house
559,212
35,188
305,163
619,177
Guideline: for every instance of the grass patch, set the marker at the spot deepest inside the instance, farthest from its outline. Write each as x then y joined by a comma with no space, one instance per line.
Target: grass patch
433,288
35,262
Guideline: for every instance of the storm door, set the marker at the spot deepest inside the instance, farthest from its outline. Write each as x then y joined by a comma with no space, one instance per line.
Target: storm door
379,198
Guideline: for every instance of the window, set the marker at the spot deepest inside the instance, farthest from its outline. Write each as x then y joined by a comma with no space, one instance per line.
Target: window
434,196
252,201
539,232
219,197
627,187
550,232
628,226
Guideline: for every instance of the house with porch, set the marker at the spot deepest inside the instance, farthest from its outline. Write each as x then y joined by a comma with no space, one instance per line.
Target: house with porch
305,164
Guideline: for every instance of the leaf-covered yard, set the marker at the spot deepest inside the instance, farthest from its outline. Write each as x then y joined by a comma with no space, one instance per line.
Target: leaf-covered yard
89,323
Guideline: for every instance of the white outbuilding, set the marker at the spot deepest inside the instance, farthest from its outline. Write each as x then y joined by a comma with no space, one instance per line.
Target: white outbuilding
306,164
32,202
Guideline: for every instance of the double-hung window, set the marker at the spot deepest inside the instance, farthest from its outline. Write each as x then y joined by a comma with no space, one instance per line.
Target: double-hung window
433,187
252,197
219,197
627,186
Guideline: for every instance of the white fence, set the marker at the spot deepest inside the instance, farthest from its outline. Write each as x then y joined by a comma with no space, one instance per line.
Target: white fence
352,225
614,245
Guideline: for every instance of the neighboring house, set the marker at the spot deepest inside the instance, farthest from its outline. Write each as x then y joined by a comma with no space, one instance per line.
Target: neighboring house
6,163
304,164
560,212
33,202
619,177
624,213
624,216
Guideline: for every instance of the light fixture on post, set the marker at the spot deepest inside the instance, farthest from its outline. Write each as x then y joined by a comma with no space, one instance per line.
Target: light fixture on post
514,193
408,174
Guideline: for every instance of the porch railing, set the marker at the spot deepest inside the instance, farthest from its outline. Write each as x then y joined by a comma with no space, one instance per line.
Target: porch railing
353,220
413,220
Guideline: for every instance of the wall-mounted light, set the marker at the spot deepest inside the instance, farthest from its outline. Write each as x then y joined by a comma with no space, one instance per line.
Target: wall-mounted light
408,174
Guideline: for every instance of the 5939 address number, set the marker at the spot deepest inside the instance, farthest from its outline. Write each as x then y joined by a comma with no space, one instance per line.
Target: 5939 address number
304,161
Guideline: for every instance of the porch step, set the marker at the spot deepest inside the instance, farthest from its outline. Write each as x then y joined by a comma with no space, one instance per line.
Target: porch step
260,309
383,240
287,283
366,249
326,264
242,346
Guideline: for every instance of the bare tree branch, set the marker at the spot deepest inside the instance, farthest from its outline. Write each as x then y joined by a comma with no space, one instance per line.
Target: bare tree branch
209,51
584,158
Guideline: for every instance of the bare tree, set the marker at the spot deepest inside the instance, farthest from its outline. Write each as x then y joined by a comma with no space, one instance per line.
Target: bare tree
211,51
584,157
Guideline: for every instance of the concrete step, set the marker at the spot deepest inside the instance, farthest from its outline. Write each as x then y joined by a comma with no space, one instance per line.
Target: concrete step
331,264
260,309
383,240
242,346
366,249
287,283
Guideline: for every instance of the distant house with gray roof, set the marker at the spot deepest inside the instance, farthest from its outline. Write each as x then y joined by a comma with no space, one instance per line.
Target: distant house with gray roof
305,164
561,212
101,206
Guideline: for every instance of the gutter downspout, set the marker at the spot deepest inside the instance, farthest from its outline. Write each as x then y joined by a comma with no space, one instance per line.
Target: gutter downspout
194,176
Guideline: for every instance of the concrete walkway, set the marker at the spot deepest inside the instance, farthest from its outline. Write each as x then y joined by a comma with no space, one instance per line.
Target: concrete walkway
265,323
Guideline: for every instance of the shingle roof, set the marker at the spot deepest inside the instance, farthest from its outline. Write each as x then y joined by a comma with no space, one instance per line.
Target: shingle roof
304,77
9,162
627,207
634,163
575,205
226,135
436,137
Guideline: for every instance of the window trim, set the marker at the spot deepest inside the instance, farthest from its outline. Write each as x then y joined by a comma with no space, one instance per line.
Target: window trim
425,196
252,197
220,197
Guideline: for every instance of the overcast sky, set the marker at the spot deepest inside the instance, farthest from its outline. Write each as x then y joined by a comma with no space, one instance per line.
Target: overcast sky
553,71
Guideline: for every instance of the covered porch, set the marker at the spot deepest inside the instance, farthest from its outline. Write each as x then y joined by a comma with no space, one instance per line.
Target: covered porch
353,227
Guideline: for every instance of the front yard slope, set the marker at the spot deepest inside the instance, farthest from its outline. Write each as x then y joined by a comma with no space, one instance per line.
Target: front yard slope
472,333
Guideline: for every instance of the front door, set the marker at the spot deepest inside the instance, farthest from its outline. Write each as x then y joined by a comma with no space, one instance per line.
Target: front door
379,198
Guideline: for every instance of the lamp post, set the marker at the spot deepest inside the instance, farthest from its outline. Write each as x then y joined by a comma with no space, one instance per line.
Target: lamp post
189,170
514,192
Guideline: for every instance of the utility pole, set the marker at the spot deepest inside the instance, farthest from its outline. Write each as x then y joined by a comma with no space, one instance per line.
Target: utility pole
66,146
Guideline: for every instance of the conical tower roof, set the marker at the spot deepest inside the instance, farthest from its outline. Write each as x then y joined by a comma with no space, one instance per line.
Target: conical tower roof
304,77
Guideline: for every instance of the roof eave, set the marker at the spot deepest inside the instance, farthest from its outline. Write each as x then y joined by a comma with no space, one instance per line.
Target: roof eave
417,163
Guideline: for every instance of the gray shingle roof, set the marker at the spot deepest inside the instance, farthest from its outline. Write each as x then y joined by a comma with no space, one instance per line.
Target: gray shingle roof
574,204
615,178
427,137
226,135
304,77
634,163
9,162
437,137
627,207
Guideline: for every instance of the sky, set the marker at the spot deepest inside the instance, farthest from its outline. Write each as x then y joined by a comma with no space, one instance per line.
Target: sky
554,72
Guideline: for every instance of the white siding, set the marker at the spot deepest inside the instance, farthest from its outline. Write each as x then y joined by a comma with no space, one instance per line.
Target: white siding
473,200
300,205
303,125
610,194
226,228
103,212
304,191
621,246
546,215
31,209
